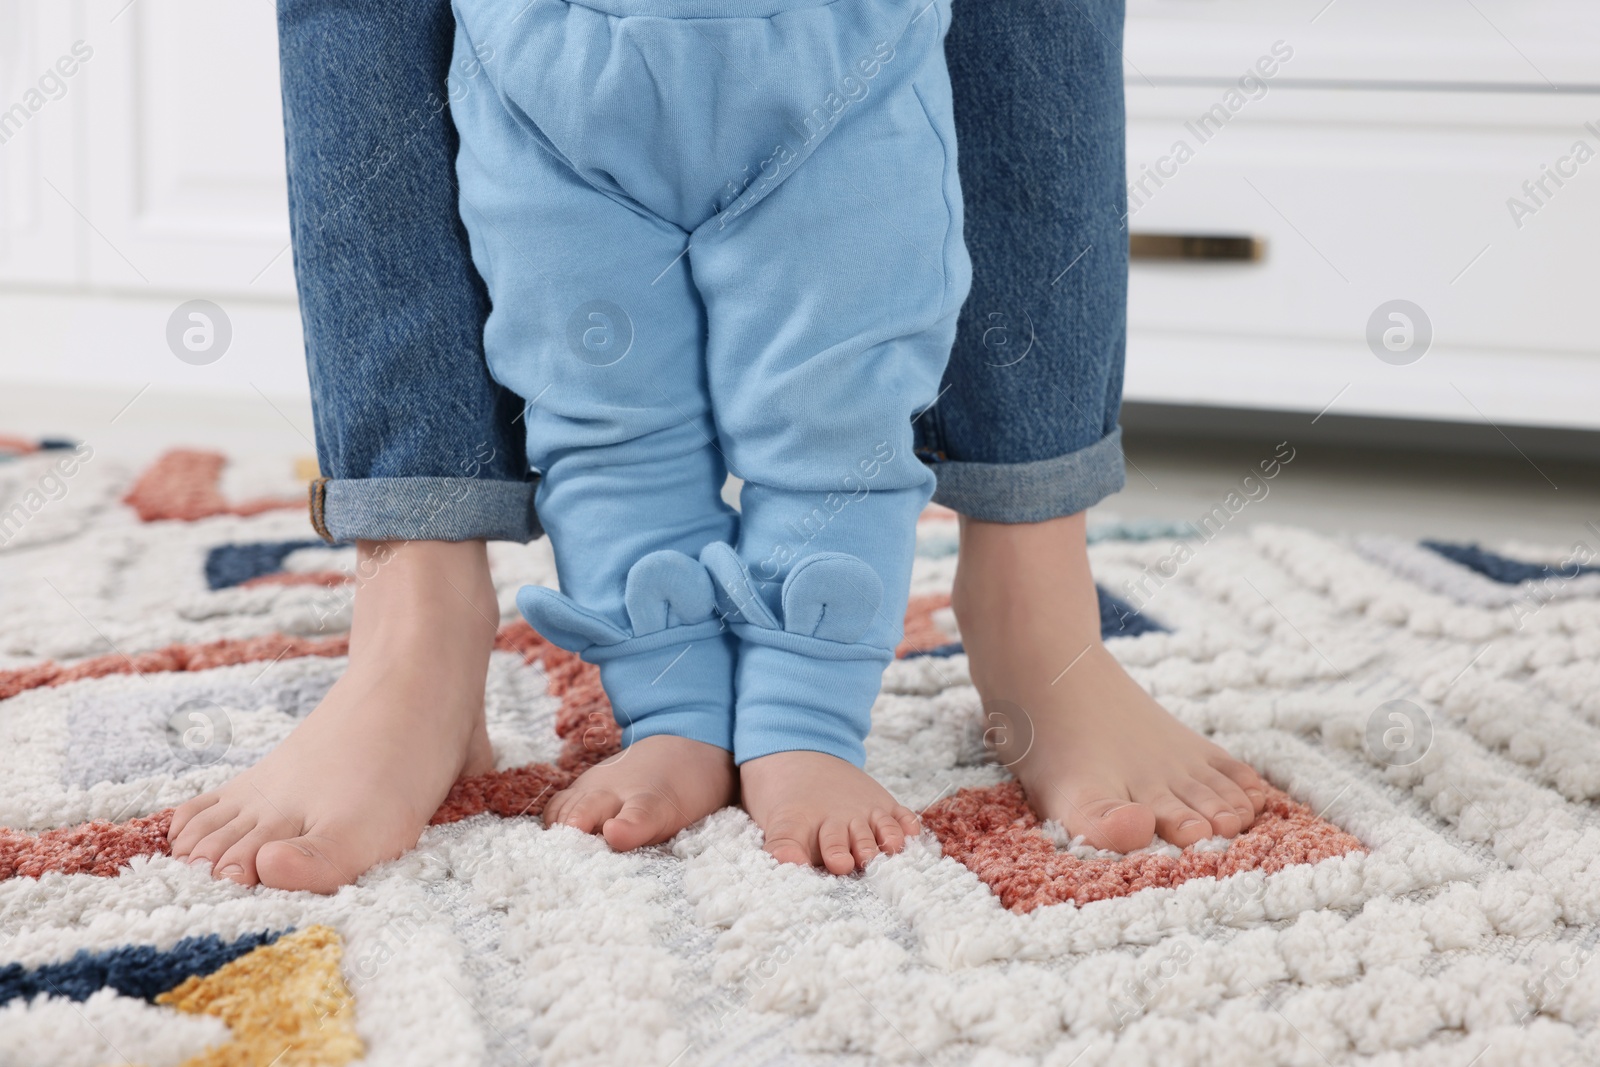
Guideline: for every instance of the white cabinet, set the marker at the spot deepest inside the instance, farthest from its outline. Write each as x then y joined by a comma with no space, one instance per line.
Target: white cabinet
1445,155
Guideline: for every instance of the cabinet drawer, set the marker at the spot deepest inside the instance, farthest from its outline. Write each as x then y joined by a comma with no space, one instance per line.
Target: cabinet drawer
1480,208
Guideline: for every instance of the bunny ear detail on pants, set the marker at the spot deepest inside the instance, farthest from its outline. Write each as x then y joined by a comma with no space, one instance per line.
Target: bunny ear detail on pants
667,589
673,674
829,601
806,683
831,596
735,589
563,622
668,596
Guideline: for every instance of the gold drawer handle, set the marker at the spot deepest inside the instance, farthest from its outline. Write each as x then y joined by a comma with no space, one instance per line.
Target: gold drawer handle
1213,248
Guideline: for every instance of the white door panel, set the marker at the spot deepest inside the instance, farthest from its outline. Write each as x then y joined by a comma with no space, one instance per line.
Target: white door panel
42,92
186,175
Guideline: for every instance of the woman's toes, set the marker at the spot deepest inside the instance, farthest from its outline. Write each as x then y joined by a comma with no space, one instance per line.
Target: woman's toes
1245,777
202,826
1225,822
1232,795
187,811
891,835
238,864
1107,821
1178,823
1223,817
791,841
863,842
833,841
314,862
215,845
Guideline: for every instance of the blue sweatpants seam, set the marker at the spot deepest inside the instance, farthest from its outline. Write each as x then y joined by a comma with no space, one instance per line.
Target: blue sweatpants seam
523,119
944,186
696,18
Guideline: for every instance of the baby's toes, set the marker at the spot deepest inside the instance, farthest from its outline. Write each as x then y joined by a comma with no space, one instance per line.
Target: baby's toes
863,842
791,840
891,835
589,810
555,807
910,822
833,840
643,820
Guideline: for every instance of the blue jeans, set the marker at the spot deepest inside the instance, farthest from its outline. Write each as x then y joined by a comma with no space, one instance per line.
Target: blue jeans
417,441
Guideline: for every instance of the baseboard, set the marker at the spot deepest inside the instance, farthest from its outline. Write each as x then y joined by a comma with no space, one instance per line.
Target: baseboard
1151,420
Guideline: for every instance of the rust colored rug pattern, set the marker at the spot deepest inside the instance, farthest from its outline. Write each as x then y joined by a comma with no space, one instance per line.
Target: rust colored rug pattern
1421,891
995,835
991,831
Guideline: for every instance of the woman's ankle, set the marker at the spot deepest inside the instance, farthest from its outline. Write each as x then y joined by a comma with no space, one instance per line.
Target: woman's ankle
1022,572
443,586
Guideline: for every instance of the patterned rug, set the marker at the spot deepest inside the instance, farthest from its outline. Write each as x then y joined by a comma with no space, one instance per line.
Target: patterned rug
1424,890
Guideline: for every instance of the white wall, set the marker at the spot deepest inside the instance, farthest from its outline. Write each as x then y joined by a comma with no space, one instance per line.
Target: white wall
141,168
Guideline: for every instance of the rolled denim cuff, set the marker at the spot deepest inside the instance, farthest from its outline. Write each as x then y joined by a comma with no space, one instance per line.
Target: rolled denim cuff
1033,492
423,509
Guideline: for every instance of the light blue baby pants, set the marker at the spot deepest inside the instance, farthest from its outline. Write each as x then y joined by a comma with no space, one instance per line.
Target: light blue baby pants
719,235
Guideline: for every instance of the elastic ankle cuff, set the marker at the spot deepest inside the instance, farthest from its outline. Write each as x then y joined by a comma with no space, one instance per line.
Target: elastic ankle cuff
683,687
708,725
753,743
792,702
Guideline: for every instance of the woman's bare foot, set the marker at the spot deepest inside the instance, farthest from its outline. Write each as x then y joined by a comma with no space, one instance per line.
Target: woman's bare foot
820,810
1092,749
358,780
647,792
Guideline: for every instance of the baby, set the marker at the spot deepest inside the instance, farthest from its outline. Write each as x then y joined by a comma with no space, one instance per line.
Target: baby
720,236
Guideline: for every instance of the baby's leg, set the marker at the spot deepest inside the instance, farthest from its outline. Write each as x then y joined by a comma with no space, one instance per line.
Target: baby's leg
596,324
859,255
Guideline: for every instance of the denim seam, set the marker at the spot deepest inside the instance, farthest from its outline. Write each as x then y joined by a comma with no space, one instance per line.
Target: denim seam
318,492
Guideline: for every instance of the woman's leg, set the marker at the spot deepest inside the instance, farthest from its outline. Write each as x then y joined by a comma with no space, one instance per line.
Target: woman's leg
420,445
1025,437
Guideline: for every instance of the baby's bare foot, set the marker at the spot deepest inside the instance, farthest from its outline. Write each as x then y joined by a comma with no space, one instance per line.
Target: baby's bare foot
820,810
358,780
1091,748
647,792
